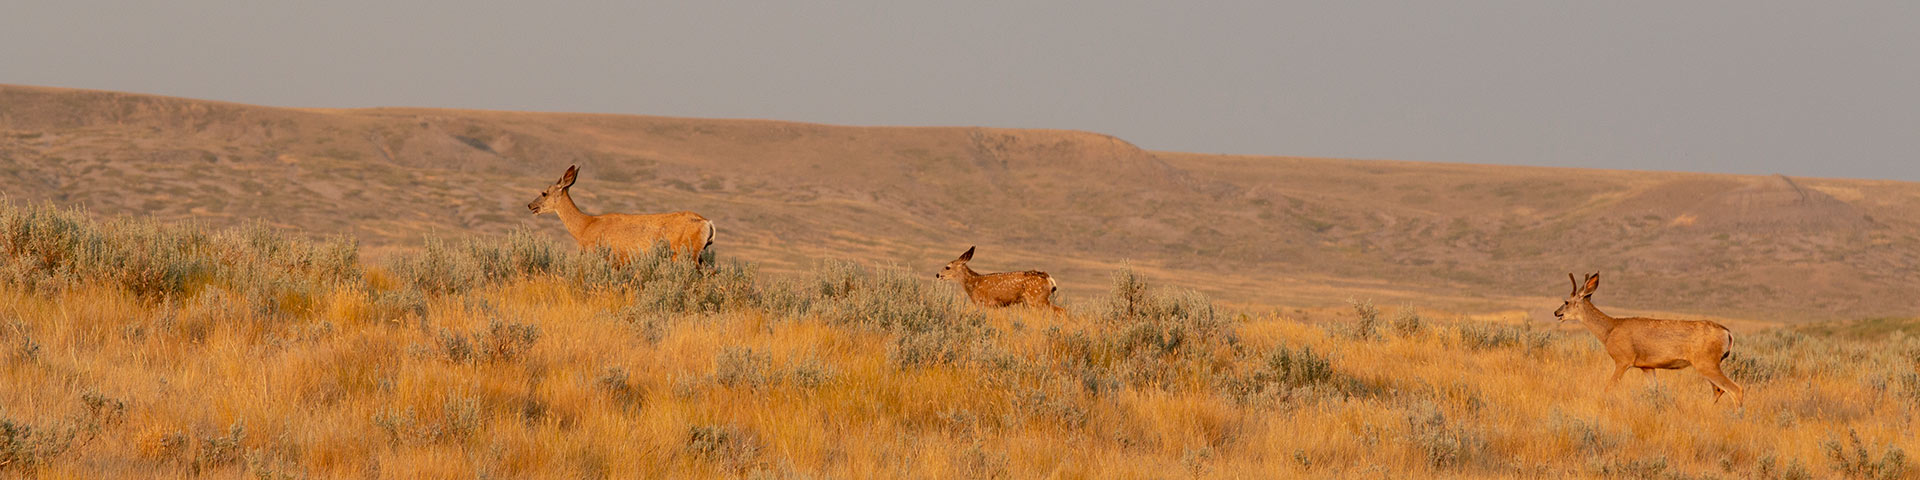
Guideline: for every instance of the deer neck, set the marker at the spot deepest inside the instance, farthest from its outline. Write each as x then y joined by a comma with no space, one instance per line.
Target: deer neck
570,215
1596,321
968,276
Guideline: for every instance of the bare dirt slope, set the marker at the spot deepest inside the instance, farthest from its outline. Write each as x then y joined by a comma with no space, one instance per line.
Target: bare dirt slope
1252,230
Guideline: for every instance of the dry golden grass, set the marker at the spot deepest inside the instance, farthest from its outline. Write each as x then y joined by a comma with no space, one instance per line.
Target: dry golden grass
864,373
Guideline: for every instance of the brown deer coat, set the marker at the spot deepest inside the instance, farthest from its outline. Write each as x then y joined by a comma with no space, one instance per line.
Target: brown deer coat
1032,288
686,233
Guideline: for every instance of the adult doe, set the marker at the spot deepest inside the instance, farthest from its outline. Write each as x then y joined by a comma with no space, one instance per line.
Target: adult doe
1032,288
1651,343
686,233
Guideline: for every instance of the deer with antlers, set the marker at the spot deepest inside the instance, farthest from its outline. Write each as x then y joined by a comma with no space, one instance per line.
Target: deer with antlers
686,233
1032,288
1651,343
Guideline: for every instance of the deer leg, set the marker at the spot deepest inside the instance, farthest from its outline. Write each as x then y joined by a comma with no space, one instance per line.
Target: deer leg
1618,370
1721,382
1042,299
1048,302
1717,391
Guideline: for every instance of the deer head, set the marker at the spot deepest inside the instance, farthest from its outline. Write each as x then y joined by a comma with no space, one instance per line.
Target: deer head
551,197
1580,300
957,270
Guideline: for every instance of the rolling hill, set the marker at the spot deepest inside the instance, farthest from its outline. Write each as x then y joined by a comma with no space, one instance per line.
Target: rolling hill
1263,231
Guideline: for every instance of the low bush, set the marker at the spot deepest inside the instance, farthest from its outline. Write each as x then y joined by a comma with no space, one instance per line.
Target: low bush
1852,459
43,248
1488,336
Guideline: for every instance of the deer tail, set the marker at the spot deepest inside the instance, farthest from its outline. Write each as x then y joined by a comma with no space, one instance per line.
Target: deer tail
1729,351
709,241
1052,286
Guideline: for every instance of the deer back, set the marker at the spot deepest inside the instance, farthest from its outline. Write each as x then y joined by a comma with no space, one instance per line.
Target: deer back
683,231
1670,343
1007,288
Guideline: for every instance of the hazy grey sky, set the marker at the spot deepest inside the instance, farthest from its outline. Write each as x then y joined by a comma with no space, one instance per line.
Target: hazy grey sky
1804,88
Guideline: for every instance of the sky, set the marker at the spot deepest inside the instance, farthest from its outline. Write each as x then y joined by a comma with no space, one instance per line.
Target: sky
1822,89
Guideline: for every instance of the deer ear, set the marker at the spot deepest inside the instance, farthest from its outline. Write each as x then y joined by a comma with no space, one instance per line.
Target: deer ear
1593,282
966,257
567,179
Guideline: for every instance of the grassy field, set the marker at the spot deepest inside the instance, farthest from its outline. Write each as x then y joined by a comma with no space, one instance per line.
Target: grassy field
135,349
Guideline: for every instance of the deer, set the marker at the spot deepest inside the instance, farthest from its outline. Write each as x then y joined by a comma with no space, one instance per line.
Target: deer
1651,343
686,233
1032,288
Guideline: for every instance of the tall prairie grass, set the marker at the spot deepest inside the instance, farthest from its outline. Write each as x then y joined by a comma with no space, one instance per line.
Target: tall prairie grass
132,349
